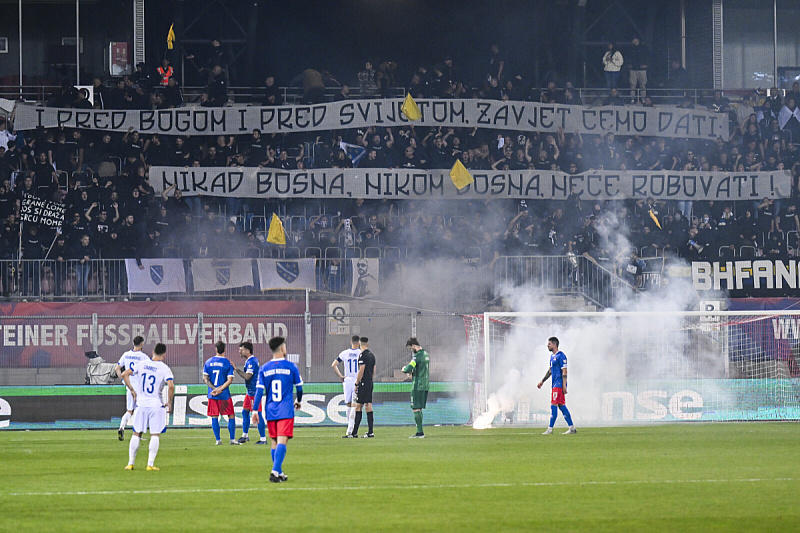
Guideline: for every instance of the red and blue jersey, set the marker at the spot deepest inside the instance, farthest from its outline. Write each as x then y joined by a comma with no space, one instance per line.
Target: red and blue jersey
276,380
251,366
218,369
558,362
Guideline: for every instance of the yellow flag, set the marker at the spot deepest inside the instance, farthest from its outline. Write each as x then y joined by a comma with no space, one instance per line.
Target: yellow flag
410,108
460,175
655,219
171,37
276,234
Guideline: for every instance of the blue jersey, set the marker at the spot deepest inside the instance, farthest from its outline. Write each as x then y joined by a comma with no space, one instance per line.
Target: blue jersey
251,367
277,379
558,362
218,369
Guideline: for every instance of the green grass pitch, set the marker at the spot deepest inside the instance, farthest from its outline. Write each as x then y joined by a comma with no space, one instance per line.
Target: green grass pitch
680,477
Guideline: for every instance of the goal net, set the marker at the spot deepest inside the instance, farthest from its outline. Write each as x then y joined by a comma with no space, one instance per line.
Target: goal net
634,367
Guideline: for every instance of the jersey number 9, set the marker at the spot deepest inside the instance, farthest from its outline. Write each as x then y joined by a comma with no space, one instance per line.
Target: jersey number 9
277,391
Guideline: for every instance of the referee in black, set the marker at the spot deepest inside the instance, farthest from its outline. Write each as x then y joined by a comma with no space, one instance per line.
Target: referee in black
364,383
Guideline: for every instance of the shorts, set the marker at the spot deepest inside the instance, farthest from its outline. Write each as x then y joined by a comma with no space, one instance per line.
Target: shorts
248,403
281,428
154,418
364,394
419,398
130,403
557,397
220,407
349,390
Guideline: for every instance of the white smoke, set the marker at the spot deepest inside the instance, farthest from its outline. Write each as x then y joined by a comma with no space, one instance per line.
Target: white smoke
602,351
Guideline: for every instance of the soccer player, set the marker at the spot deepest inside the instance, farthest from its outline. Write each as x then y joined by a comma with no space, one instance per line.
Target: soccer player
364,384
276,379
218,375
418,367
250,375
349,358
558,370
151,411
128,361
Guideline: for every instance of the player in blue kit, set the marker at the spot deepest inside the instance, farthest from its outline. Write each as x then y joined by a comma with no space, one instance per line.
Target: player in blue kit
249,374
558,370
218,375
277,379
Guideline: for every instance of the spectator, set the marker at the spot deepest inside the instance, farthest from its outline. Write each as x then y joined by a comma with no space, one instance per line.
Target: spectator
612,63
367,81
638,61
83,254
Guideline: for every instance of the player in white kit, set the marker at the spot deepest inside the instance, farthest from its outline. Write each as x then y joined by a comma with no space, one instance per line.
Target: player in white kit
129,360
349,358
148,380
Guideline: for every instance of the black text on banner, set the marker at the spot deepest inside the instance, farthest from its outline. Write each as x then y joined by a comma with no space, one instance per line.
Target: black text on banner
436,184
515,116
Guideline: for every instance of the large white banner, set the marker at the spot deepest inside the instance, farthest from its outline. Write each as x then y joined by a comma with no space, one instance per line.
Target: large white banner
365,277
287,274
411,184
494,114
220,274
155,276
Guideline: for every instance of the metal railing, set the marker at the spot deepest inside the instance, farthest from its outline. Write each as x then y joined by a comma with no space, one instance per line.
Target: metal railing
565,275
294,95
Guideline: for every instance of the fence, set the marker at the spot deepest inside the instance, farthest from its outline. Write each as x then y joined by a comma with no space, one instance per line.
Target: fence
568,275
50,350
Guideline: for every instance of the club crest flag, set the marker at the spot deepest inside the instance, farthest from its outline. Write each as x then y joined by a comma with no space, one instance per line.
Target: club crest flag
460,175
365,277
410,108
155,276
276,234
281,274
221,274
355,152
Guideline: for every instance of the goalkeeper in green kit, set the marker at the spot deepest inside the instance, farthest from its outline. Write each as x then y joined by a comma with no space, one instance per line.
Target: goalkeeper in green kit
418,368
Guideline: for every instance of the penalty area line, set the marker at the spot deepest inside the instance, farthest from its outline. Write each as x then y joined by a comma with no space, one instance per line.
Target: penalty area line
397,487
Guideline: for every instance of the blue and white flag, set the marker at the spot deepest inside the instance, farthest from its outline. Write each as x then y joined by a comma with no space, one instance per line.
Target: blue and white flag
155,276
287,273
353,151
220,274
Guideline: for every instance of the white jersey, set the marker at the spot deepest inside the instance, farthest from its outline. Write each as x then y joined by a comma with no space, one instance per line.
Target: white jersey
349,358
131,359
152,375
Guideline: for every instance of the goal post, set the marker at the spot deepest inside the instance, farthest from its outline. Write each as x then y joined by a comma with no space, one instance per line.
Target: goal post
633,367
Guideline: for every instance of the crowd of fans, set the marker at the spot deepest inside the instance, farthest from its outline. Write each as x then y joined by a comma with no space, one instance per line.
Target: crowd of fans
113,211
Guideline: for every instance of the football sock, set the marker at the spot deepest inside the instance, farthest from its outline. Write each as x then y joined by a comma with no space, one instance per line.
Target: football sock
215,426
418,420
357,422
151,457
232,427
245,422
553,415
351,418
132,449
272,454
565,412
369,420
125,419
280,453
262,427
